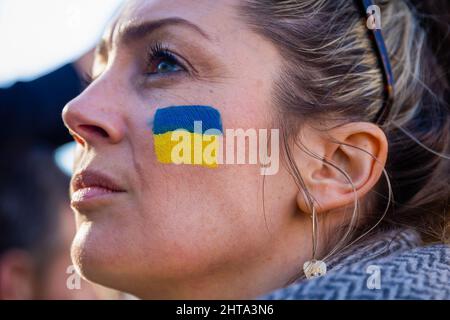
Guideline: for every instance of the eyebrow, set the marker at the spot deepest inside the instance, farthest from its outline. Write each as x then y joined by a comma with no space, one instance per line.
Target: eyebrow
135,31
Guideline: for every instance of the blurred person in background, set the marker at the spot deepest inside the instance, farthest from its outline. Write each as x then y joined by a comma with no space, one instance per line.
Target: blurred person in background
33,109
36,229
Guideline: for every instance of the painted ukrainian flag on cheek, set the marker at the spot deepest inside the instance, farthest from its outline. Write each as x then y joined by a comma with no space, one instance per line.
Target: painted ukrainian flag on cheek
188,135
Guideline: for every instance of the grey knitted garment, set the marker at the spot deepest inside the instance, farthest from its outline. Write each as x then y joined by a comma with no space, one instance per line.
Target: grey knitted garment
392,265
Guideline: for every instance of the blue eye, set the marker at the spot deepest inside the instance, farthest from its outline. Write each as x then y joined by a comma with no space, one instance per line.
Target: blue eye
162,61
166,66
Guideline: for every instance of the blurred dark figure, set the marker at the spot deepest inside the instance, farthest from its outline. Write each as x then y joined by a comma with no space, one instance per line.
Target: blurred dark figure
36,229
31,111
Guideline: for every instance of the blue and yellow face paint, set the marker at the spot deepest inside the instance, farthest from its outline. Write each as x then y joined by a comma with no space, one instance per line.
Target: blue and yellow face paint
188,135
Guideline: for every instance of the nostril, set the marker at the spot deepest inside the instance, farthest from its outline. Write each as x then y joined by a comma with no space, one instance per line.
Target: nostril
94,130
78,140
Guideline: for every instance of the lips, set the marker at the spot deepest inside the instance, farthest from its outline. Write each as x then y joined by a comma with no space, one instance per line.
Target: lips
88,186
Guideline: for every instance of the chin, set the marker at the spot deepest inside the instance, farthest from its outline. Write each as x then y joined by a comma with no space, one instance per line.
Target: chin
106,258
95,256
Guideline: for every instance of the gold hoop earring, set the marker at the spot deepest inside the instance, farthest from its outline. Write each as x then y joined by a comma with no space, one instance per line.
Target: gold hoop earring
314,268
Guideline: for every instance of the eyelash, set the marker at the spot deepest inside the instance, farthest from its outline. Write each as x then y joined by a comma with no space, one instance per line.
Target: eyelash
157,51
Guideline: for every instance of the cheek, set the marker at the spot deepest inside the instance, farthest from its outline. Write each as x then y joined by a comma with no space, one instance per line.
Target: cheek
199,227
195,216
214,193
198,208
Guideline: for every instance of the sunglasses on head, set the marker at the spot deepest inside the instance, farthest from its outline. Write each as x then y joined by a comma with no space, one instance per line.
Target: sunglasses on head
383,57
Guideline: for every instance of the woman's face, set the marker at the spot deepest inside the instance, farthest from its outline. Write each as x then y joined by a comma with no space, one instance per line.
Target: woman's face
170,230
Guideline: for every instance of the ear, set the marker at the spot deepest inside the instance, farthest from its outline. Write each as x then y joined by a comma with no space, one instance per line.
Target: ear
358,150
16,276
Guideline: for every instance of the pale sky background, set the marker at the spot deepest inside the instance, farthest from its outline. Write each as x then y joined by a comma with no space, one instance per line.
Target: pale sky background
38,36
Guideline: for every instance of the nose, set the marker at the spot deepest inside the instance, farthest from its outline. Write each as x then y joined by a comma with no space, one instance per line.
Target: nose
93,119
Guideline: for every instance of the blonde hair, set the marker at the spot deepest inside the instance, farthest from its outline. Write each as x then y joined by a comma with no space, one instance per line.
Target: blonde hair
331,72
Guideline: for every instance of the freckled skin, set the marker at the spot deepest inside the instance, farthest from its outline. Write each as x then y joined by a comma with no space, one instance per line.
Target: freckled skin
177,231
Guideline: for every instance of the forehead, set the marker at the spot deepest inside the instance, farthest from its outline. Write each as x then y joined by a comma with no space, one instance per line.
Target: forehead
213,16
